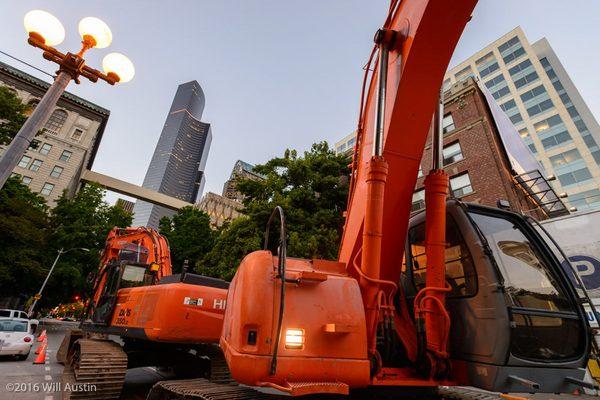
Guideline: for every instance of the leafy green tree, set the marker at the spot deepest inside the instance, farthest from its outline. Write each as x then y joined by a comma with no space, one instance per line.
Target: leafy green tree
80,222
312,190
24,237
189,236
234,240
12,114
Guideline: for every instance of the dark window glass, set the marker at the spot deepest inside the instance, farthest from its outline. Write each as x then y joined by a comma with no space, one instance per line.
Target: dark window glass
516,118
528,281
460,272
554,337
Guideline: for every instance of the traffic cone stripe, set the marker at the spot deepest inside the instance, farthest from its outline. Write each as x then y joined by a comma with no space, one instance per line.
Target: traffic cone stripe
42,336
41,352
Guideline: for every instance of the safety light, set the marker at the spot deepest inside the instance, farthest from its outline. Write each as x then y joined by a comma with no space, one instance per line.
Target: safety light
95,30
119,65
27,339
294,338
44,25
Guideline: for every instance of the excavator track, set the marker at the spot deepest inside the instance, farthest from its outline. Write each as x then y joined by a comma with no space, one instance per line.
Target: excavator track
221,386
97,368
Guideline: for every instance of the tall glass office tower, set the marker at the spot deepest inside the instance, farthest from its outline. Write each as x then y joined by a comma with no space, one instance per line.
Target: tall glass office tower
177,166
530,84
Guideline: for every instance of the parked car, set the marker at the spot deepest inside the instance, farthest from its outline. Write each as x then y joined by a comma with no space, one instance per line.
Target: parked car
16,337
6,313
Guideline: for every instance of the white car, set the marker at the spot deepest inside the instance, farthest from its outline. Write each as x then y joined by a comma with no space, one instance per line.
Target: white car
16,337
6,313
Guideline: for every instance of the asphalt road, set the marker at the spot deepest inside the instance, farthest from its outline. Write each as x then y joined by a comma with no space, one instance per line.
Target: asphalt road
23,380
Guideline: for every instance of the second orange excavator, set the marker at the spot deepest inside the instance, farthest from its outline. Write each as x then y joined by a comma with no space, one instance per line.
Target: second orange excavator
161,318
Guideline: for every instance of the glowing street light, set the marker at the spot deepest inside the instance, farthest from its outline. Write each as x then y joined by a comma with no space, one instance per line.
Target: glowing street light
46,31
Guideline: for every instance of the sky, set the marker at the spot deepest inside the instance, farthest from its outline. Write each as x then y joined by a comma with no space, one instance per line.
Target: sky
276,74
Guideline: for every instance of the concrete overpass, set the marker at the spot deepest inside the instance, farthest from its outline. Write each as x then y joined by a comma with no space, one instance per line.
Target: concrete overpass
129,189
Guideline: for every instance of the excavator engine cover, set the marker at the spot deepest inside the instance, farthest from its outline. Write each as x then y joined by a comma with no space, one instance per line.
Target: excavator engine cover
322,337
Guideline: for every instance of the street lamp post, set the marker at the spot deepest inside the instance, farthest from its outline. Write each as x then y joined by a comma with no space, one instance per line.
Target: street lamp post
45,31
39,294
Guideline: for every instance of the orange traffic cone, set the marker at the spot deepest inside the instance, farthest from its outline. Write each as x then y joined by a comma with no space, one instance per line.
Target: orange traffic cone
41,351
42,336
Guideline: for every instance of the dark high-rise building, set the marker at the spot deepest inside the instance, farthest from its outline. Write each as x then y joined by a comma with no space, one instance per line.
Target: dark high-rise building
177,166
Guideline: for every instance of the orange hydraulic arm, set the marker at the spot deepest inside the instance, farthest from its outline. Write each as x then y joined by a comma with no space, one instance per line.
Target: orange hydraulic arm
141,242
414,48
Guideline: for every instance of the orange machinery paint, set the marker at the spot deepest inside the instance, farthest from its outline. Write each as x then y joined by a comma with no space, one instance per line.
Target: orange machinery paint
173,312
335,360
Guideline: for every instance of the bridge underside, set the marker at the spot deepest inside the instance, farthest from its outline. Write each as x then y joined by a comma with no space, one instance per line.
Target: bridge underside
129,189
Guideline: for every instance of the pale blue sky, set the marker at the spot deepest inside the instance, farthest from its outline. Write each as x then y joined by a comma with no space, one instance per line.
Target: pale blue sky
276,73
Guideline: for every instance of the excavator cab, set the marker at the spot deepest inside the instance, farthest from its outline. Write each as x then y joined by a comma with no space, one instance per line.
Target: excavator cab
119,274
517,322
128,268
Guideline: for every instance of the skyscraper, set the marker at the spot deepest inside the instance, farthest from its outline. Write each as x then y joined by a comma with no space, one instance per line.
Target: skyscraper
532,87
177,166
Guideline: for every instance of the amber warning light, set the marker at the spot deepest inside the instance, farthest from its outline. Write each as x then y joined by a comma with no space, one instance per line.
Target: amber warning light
294,338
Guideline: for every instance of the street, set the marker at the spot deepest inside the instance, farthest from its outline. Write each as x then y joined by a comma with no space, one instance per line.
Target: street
23,380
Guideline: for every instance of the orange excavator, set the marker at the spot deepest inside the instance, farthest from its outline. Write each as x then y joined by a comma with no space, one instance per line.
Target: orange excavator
458,295
161,318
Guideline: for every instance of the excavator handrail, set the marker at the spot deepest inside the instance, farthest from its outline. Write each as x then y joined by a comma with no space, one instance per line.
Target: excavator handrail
282,253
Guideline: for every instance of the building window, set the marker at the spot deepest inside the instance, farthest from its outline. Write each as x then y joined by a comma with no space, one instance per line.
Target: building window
526,80
35,165
34,145
464,73
24,161
77,134
461,185
420,173
511,50
515,119
585,200
47,189
56,171
509,105
448,123
45,149
65,156
487,64
578,176
452,153
523,132
520,67
56,121
548,123
532,148
555,140
418,200
565,158
26,180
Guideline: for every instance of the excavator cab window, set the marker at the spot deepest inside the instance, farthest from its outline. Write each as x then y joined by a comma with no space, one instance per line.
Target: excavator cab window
136,275
460,270
134,253
540,308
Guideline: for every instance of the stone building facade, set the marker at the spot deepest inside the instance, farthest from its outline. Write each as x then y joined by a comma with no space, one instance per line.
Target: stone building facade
65,147
219,208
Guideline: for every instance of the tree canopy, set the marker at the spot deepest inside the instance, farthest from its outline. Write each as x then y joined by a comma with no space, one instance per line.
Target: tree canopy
189,236
81,222
31,236
312,189
12,114
24,228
